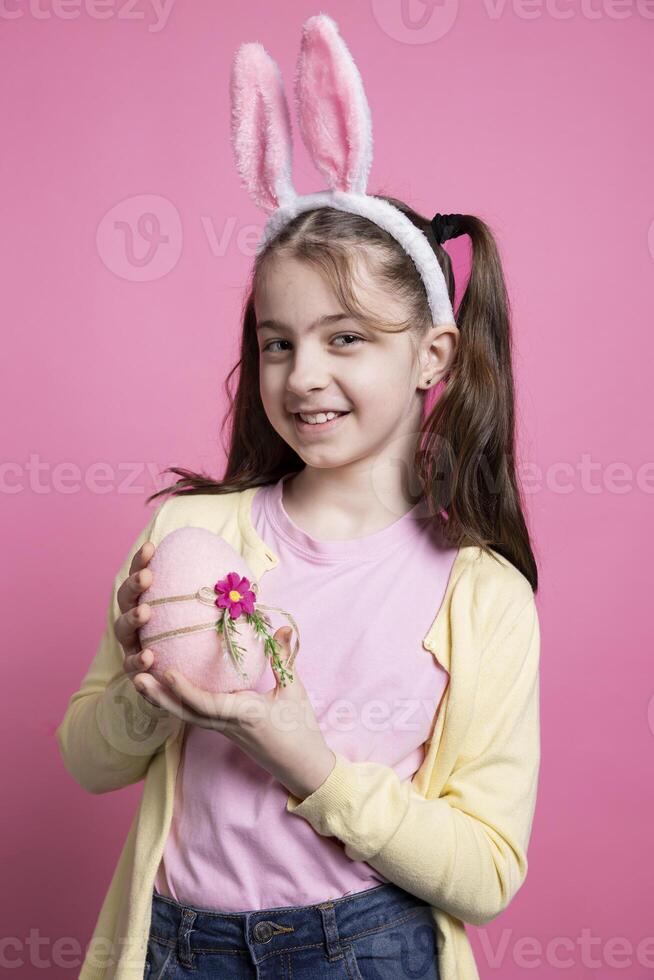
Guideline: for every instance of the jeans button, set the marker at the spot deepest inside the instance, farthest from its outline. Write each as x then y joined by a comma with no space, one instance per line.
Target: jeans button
262,932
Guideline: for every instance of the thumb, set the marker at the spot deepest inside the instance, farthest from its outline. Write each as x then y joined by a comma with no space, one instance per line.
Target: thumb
283,674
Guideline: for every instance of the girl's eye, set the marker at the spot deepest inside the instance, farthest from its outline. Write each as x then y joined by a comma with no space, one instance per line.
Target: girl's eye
352,336
267,347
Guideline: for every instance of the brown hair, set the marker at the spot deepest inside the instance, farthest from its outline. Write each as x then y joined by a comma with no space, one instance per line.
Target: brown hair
465,458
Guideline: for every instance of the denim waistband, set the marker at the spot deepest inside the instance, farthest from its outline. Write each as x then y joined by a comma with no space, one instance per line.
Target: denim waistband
274,930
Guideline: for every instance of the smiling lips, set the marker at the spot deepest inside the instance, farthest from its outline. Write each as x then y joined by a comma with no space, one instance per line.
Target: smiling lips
320,411
318,416
307,427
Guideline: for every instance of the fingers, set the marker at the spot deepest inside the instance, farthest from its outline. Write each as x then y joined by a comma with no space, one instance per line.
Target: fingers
127,625
287,656
219,709
139,578
162,697
155,692
135,662
134,614
142,556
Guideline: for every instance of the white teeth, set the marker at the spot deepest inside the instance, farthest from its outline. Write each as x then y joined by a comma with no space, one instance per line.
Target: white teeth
321,417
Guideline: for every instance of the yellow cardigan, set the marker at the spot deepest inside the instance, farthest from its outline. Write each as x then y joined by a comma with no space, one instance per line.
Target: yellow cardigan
455,835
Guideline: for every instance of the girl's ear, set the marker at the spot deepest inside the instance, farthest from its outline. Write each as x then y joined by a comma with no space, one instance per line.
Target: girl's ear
332,108
261,127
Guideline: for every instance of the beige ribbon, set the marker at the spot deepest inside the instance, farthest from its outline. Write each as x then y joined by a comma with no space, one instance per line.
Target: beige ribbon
207,595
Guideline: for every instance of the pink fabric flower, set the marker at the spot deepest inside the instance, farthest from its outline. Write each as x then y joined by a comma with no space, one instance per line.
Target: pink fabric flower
235,595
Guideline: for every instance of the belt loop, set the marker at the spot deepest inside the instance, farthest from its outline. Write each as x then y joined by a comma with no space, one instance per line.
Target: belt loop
332,939
183,945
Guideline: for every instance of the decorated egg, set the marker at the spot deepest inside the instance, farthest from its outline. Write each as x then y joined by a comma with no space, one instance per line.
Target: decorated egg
206,621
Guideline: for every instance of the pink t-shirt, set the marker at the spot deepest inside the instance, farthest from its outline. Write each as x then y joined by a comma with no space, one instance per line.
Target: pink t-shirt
362,606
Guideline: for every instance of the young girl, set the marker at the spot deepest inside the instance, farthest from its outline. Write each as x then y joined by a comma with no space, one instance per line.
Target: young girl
349,822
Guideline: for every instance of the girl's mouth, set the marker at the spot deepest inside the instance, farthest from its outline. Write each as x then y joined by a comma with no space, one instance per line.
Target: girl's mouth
307,428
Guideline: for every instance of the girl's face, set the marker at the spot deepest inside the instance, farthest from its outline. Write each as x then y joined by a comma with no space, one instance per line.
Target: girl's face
314,358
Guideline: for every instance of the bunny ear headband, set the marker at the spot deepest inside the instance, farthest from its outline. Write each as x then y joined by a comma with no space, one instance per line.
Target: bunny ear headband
335,124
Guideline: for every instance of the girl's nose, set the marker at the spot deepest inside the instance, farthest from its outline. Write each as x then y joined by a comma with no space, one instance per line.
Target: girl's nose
305,377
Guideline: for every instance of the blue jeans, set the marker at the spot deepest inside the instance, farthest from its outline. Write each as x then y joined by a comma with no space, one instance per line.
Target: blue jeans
382,933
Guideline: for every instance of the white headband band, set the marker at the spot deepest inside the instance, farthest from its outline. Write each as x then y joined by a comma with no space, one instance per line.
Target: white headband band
335,125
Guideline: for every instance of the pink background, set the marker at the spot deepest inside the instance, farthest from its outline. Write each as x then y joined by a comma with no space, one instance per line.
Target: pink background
537,117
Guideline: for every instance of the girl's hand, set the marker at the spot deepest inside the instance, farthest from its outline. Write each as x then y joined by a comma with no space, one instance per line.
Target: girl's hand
134,615
278,729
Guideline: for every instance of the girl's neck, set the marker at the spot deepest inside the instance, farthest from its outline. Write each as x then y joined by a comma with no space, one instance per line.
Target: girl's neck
327,511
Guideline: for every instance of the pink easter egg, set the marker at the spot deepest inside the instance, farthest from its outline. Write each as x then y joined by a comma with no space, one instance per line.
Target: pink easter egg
185,561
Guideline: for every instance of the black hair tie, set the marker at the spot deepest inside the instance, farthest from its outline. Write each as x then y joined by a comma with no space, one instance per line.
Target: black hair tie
446,226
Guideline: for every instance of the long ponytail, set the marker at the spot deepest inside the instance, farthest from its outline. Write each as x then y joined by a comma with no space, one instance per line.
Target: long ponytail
467,459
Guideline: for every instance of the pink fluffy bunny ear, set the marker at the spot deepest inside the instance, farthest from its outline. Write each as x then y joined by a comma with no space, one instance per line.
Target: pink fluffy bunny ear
332,108
261,127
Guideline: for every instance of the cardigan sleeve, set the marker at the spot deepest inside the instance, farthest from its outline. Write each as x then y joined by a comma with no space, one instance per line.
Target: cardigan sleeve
465,851
109,731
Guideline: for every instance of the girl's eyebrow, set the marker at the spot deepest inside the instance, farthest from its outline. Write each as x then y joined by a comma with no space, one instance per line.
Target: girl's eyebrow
320,322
